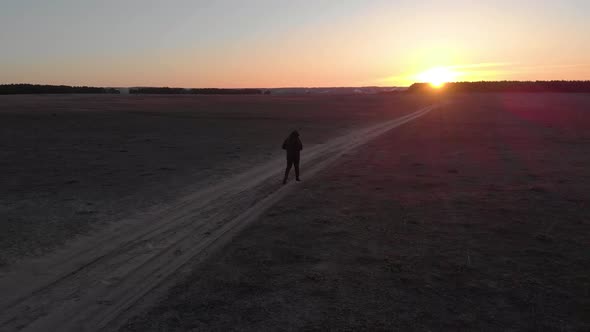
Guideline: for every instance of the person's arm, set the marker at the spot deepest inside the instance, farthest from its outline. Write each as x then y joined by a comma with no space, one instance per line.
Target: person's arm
285,145
300,145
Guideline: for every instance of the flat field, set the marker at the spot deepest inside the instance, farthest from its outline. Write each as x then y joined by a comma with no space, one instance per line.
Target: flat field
71,164
473,217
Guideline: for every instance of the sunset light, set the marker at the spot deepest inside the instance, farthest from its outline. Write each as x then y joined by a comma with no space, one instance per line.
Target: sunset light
437,77
177,165
272,44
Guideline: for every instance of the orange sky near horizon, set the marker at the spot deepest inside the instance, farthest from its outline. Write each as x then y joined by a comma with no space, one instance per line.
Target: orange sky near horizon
380,43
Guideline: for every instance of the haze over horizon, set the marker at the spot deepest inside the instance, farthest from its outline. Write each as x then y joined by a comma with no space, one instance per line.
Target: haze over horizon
291,43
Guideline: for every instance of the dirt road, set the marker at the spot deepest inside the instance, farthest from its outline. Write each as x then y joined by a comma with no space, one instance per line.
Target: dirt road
96,283
476,217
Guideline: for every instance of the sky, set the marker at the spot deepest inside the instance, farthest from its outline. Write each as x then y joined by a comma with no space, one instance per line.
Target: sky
288,43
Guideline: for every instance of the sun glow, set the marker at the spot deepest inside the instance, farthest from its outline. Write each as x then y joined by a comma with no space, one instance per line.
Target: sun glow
437,77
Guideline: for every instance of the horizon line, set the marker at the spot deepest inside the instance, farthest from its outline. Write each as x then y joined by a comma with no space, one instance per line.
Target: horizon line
285,87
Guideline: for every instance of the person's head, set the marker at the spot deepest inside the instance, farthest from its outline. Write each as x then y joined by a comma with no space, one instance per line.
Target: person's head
295,133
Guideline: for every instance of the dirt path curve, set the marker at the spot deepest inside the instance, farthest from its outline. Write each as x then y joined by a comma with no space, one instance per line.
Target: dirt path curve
94,283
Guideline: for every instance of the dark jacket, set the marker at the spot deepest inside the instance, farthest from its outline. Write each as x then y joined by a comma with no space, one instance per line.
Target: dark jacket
293,145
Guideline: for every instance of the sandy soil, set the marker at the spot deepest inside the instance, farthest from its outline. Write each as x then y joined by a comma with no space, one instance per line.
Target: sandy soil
474,217
69,165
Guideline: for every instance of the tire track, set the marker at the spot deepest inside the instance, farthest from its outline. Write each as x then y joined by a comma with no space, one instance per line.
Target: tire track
101,279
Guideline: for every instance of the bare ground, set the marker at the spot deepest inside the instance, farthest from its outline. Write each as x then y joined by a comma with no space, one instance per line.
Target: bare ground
475,217
70,165
96,279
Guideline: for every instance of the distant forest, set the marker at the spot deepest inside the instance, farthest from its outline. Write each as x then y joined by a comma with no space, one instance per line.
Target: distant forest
506,86
207,91
14,89
18,89
459,87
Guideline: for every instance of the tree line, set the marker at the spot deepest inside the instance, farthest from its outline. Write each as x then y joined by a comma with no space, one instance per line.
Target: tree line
17,89
506,86
13,89
203,91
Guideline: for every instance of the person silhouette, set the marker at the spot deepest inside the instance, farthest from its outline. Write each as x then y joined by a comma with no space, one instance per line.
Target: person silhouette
293,146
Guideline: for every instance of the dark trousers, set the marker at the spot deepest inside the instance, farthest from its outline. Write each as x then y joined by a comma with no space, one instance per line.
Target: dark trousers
294,161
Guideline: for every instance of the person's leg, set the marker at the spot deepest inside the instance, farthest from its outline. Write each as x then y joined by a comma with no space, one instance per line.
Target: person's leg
287,170
296,163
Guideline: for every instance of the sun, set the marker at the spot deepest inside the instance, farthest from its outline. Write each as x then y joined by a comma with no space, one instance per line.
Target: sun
437,77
